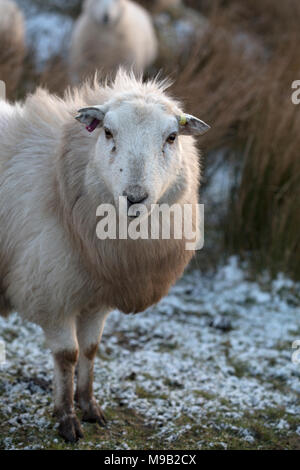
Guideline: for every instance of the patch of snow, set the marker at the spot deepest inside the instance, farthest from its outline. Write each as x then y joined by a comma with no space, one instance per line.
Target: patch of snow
178,354
283,424
48,32
247,436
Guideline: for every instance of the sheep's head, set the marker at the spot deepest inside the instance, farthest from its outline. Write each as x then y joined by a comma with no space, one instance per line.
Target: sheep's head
140,153
104,12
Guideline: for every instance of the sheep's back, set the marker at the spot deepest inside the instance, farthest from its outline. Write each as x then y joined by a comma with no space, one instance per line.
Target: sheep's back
37,264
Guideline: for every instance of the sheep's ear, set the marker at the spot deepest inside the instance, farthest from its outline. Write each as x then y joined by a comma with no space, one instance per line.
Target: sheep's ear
190,125
92,117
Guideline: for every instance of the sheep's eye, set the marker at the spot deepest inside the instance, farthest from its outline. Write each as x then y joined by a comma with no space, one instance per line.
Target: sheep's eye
108,134
171,139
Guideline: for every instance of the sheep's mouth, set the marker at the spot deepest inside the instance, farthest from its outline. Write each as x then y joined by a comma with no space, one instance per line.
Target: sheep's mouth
131,212
138,214
134,215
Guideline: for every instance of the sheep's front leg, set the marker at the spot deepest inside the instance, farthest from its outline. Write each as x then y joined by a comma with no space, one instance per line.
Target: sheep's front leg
63,343
89,331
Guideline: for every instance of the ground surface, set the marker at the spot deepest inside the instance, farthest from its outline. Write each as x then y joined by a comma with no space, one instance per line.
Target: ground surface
209,367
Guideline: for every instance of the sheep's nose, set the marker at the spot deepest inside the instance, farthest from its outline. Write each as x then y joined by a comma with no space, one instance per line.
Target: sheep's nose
135,195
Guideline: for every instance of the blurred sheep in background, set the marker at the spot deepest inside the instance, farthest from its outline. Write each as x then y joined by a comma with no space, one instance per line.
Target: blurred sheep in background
12,41
110,33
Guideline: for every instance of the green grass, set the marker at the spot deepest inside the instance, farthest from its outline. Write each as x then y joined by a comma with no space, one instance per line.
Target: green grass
127,429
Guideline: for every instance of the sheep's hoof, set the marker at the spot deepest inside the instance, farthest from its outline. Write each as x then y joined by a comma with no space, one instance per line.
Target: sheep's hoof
94,414
69,428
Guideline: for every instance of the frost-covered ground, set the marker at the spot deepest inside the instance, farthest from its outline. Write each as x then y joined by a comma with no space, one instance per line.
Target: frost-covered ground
48,28
209,367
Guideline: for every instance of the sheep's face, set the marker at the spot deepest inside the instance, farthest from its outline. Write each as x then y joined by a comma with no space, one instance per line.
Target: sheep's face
105,12
139,153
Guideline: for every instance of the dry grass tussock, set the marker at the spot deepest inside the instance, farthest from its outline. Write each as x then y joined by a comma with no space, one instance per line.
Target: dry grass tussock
247,100
12,53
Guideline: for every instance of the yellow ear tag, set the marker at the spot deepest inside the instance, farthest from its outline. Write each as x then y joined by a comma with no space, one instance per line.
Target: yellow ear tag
183,120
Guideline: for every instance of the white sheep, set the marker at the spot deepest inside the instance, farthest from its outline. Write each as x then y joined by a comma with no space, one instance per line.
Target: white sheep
12,44
110,33
54,174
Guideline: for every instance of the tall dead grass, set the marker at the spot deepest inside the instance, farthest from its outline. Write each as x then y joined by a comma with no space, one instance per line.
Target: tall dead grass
248,102
264,214
12,53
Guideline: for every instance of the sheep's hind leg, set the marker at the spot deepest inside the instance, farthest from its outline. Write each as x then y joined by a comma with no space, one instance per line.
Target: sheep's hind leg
89,331
62,341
